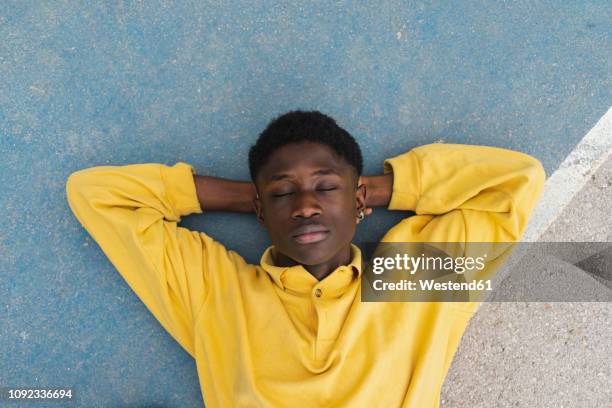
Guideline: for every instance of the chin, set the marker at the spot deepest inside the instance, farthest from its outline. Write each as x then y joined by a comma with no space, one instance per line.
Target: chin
311,256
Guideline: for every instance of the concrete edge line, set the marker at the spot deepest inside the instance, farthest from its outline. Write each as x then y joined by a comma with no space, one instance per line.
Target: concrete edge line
571,176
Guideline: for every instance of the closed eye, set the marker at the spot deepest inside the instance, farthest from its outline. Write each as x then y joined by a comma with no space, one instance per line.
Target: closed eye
281,195
291,192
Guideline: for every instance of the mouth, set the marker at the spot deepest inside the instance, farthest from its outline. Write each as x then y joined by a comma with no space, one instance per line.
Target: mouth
311,237
309,234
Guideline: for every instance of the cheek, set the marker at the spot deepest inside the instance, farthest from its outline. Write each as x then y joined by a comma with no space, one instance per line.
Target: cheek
344,216
275,219
276,212
350,205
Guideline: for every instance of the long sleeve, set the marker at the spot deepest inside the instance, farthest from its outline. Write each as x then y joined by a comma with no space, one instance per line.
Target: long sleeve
132,213
463,193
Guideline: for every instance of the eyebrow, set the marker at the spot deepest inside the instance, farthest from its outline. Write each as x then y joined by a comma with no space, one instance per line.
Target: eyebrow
320,172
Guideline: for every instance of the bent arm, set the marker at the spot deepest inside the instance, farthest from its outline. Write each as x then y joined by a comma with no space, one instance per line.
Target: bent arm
132,213
463,193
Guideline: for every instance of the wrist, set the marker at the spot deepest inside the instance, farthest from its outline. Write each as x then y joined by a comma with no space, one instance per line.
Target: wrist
379,190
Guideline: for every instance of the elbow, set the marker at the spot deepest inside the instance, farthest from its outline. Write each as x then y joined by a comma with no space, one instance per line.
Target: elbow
72,184
532,173
75,185
72,189
537,176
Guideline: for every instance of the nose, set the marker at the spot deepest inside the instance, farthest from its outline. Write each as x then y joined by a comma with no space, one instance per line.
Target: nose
305,205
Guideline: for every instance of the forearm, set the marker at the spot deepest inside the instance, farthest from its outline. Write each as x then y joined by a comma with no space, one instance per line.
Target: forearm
379,190
217,194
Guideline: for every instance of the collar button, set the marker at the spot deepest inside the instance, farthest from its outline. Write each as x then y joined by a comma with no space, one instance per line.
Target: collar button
318,292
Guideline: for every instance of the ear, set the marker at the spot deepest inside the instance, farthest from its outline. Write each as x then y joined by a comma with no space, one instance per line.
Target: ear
360,194
258,210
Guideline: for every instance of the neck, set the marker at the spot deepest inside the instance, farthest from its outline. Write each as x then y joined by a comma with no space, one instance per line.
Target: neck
319,271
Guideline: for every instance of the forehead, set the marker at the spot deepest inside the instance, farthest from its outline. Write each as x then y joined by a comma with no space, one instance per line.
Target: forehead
304,156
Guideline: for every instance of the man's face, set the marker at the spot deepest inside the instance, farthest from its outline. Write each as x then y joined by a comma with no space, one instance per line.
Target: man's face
306,187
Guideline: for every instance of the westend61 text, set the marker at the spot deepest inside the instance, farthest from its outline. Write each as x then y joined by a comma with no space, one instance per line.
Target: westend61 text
412,264
431,285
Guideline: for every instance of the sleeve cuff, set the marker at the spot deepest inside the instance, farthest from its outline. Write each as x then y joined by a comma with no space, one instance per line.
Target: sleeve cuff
406,181
180,188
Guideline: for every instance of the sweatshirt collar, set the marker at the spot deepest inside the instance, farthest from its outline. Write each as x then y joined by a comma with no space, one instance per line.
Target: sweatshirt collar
298,279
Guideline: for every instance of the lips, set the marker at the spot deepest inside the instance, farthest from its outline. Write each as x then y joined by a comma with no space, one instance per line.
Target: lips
308,234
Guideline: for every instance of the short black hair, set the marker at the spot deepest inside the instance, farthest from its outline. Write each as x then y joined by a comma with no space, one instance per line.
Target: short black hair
298,126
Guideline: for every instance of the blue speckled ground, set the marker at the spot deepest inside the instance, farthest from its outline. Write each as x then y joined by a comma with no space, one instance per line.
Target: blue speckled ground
117,83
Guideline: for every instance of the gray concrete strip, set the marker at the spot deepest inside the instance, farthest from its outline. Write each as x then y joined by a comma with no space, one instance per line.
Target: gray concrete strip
572,175
548,278
543,354
588,217
533,355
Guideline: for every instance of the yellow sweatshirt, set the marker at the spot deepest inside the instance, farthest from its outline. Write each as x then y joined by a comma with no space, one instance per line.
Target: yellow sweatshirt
268,336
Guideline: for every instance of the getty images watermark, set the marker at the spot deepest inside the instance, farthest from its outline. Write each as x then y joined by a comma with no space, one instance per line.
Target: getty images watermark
485,271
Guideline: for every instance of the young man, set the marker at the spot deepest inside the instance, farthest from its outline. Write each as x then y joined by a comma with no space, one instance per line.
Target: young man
292,331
